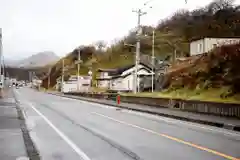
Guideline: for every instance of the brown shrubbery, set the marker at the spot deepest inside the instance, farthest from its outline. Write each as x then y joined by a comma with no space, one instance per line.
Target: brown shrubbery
215,69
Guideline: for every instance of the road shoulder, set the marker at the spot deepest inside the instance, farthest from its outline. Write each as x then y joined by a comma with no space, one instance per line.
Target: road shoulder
30,147
217,121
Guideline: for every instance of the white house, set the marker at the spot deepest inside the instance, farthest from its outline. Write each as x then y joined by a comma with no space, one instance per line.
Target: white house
204,45
122,79
73,85
103,81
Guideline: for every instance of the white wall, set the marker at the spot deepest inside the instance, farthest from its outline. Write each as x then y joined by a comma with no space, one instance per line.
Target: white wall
210,43
103,83
72,86
207,44
69,87
197,47
104,75
126,83
121,83
116,84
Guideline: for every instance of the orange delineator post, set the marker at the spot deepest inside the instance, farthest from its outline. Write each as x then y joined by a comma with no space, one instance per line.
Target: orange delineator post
118,99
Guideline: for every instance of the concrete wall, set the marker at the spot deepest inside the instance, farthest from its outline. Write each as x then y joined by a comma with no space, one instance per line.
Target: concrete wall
103,83
214,108
207,44
84,85
69,87
210,43
104,75
197,47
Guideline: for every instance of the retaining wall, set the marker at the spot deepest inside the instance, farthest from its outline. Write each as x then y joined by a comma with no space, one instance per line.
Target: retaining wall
222,109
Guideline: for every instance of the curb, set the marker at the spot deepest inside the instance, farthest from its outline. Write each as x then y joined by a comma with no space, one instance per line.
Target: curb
31,149
215,124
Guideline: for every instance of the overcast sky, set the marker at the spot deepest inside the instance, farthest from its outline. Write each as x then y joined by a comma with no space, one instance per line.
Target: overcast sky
31,26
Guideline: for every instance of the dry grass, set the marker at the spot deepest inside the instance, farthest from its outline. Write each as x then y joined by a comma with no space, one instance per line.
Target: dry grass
210,95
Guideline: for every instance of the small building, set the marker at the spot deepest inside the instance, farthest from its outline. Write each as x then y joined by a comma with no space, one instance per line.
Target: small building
73,85
122,79
200,46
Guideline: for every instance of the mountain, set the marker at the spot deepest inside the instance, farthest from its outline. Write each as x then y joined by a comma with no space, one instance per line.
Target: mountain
10,63
37,60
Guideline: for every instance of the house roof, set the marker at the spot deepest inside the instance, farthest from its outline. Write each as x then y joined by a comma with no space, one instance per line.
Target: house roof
118,71
106,70
123,76
102,79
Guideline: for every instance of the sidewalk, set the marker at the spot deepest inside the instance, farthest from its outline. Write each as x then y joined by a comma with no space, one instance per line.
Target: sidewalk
11,137
223,122
15,141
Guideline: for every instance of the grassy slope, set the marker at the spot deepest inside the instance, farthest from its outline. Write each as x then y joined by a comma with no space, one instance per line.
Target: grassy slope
173,33
211,95
210,77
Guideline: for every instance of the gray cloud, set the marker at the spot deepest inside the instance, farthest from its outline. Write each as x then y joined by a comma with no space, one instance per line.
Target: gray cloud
31,26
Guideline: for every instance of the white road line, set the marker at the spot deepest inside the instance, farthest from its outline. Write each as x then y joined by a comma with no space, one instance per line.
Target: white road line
91,103
61,134
168,120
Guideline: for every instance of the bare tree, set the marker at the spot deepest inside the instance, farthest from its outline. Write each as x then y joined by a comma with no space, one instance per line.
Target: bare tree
100,45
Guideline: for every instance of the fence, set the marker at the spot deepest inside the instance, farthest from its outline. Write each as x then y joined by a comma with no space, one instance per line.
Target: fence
220,109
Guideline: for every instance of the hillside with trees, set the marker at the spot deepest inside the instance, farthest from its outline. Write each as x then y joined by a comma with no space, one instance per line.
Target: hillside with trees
21,73
220,18
218,69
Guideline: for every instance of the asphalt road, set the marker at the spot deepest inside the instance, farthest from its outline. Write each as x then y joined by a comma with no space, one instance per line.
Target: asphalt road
64,129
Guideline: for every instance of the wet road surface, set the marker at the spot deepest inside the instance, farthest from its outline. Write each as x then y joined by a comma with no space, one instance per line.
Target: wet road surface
64,128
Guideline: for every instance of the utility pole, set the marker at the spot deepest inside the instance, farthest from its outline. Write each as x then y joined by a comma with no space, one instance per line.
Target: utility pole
3,67
62,75
49,77
30,76
78,69
137,58
153,58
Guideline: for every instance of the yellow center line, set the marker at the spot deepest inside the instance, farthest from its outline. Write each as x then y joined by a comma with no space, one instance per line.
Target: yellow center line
170,137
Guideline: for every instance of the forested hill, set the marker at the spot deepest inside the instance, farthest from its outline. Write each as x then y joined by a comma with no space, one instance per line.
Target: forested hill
220,18
23,73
